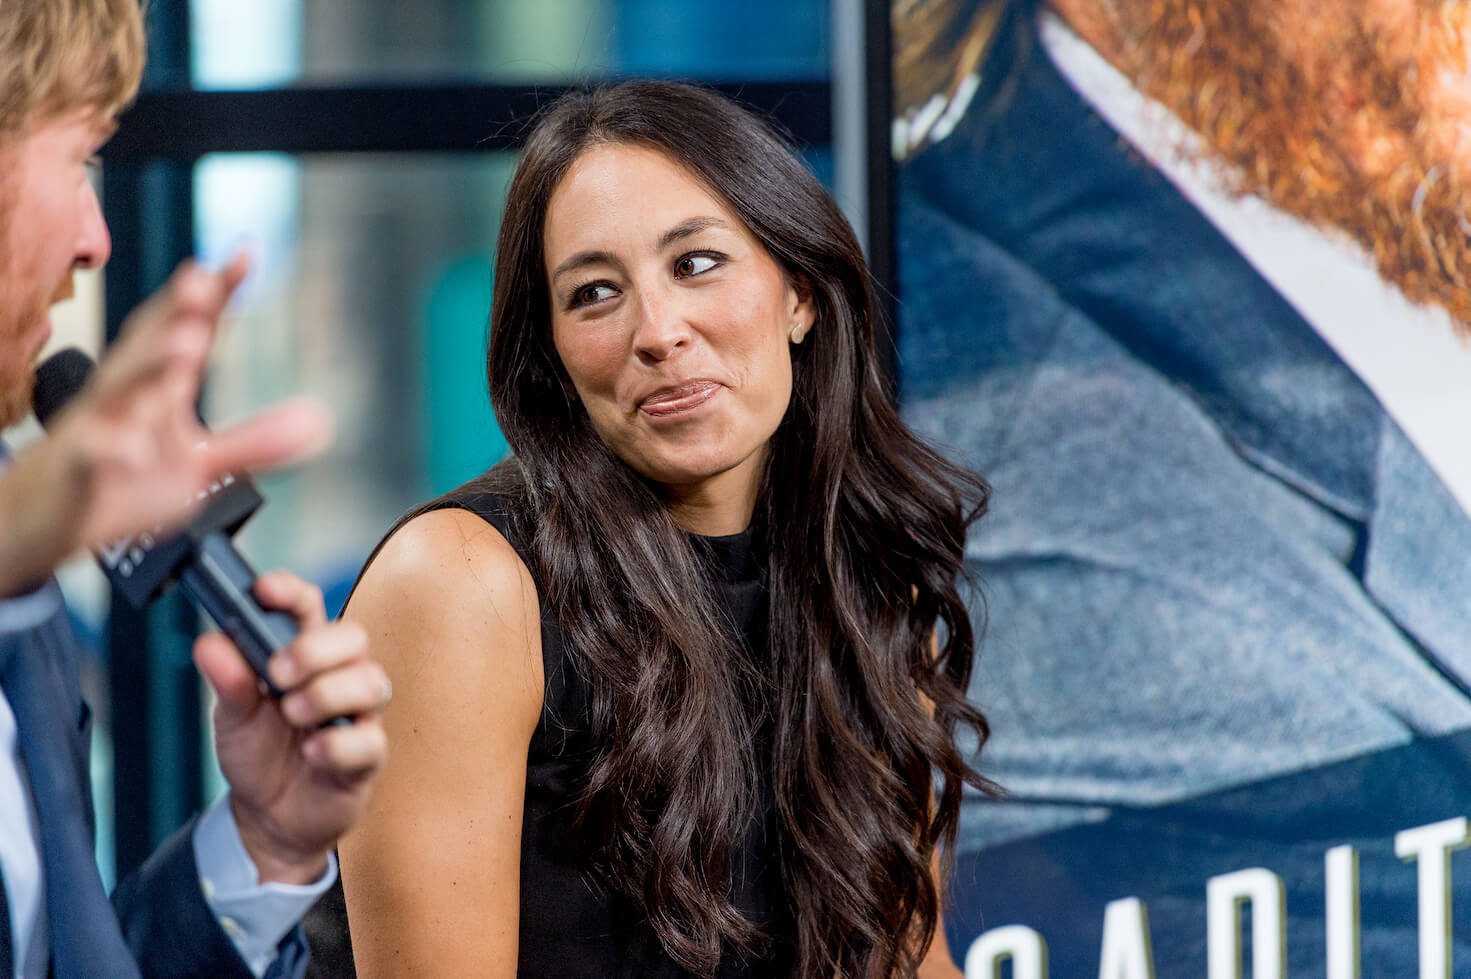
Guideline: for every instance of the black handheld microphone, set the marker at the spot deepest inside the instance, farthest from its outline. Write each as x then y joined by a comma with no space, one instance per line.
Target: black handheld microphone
201,556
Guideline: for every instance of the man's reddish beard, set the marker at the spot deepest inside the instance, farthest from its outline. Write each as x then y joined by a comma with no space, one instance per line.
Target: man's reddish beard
19,307
1345,125
15,392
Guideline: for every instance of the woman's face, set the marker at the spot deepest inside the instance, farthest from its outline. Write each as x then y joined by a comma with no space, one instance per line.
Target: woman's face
671,321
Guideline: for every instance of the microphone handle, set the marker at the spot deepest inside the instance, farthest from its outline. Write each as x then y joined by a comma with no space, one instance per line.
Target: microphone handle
220,580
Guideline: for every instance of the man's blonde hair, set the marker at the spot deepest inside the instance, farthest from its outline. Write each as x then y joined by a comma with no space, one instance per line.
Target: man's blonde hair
61,56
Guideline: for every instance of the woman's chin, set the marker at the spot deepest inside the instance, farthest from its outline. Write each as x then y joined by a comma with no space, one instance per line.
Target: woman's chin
683,475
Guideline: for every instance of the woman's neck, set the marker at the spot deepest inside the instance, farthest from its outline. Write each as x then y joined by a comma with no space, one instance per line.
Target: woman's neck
719,505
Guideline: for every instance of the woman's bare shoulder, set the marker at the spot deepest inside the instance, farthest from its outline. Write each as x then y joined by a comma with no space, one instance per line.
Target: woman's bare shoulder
448,551
447,589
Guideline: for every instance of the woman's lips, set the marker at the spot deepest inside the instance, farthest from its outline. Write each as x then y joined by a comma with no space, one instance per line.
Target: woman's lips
680,399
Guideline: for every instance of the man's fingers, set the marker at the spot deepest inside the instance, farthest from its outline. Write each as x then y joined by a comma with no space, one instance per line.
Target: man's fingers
168,338
174,328
235,272
194,290
317,651
144,357
290,431
222,665
356,750
358,690
285,592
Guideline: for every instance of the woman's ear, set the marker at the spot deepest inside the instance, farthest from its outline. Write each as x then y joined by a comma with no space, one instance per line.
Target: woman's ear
801,310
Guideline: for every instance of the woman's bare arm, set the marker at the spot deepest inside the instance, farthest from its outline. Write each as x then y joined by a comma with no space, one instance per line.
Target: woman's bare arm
431,870
937,963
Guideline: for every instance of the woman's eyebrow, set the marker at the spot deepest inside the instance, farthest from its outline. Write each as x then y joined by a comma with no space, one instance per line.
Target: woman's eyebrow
688,228
582,260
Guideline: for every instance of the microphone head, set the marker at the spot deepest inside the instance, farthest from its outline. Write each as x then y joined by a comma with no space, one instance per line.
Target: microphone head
58,379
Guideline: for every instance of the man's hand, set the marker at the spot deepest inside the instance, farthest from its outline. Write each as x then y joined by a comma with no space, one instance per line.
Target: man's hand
129,454
295,787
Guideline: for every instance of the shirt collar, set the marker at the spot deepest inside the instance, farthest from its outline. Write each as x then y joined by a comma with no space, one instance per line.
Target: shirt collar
1407,355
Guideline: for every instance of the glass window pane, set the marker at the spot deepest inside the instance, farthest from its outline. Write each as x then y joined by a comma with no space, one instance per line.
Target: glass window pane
268,43
371,291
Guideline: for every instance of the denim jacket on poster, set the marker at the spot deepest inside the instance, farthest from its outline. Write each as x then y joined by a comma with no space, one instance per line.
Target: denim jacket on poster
1228,601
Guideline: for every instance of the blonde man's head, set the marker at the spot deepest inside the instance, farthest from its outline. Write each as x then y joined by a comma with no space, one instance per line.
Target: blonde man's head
63,56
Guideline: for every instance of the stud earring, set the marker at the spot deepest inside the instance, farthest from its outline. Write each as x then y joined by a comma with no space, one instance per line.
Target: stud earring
797,333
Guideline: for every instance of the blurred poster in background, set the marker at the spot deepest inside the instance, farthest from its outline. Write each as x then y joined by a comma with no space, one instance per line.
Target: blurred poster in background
1208,348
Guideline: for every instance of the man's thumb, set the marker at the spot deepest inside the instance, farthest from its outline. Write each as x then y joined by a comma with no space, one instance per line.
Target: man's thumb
226,670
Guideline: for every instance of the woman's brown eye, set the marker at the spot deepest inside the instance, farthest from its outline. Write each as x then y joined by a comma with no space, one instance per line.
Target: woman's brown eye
694,265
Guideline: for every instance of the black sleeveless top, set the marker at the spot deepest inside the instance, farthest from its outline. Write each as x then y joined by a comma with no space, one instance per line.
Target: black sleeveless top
571,923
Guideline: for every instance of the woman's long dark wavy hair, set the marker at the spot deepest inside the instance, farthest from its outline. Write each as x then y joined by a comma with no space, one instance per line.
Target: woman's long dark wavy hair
864,530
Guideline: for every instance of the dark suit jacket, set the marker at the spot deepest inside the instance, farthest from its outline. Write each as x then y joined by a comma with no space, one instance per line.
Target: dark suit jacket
162,926
1228,617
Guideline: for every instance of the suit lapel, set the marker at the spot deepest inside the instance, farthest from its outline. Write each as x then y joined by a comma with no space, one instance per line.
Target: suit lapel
1417,559
1043,177
42,689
